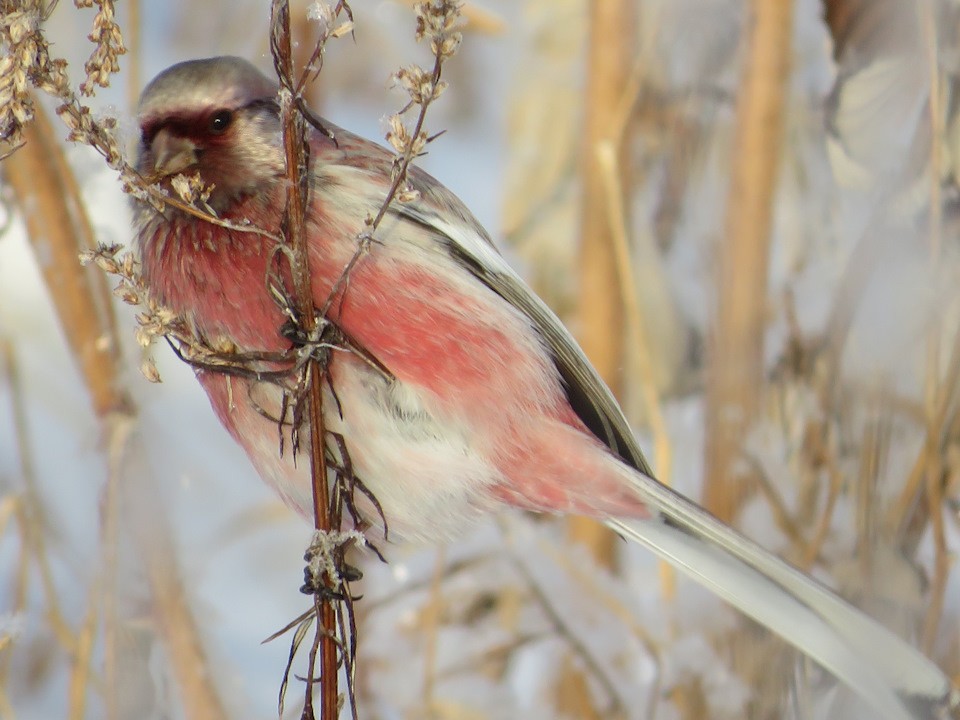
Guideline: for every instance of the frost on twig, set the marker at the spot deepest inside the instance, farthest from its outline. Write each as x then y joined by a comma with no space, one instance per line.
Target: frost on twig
324,557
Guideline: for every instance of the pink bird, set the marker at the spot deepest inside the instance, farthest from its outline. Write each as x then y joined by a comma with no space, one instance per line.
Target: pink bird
479,397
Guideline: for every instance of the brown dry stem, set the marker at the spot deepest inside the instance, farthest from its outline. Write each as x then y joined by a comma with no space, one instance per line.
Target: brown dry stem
611,49
293,224
735,371
436,21
43,182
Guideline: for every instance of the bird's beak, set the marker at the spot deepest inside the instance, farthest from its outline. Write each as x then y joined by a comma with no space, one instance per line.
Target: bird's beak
172,154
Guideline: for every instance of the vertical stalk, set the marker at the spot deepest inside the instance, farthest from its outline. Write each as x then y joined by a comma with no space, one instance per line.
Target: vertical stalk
931,384
58,229
132,34
735,370
294,232
610,49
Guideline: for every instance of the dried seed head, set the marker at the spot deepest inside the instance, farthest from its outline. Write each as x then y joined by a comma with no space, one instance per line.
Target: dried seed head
407,194
109,47
129,294
397,134
149,370
192,189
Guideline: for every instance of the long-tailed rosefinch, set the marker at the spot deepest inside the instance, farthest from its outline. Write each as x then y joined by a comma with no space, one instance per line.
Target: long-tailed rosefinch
455,390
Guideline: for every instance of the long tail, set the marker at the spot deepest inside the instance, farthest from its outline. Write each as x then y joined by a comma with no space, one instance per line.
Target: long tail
888,673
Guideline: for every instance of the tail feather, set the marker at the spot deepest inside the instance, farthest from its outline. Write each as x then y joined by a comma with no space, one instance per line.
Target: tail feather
888,673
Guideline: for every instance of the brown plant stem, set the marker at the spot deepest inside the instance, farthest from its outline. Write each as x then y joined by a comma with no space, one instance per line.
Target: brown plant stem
59,229
931,389
610,50
294,232
735,370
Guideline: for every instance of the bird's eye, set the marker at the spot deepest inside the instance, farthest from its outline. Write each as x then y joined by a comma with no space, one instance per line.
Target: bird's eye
220,122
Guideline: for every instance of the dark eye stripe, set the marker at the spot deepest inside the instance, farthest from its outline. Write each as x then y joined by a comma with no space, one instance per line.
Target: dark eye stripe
199,126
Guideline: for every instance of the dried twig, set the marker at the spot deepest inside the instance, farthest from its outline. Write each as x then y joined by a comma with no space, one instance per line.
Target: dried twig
329,582
293,231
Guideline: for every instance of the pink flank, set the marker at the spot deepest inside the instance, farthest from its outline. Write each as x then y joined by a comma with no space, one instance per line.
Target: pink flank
500,426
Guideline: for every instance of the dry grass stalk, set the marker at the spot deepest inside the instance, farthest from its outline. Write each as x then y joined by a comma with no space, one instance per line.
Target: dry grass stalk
610,53
178,628
734,373
432,616
133,33
616,608
735,370
59,229
573,697
27,511
935,475
539,215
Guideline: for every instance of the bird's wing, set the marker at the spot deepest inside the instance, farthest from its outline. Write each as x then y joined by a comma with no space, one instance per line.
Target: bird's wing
459,235
589,396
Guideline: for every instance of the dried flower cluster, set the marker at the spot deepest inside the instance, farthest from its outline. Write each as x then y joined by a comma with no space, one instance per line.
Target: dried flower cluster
108,47
24,62
438,21
192,190
154,321
27,63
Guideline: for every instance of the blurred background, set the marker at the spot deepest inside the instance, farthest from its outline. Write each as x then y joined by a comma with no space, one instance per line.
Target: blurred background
746,211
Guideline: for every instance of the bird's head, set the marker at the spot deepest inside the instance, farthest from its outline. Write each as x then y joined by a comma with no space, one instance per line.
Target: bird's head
218,117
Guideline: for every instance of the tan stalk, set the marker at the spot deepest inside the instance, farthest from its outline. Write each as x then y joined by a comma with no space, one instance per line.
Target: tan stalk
640,343
28,511
931,390
59,229
610,53
573,692
82,670
178,628
902,512
735,369
615,607
432,614
132,34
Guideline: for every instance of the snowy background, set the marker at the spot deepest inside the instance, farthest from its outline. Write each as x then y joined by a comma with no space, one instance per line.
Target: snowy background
496,625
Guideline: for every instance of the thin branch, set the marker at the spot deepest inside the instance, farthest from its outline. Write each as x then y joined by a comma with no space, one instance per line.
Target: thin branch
293,230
